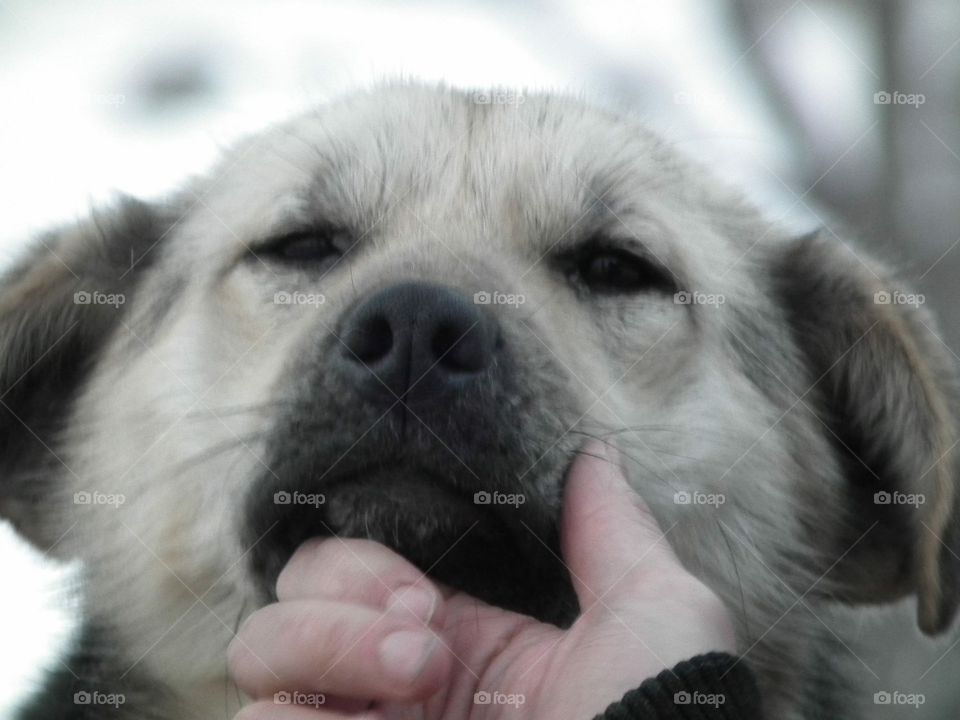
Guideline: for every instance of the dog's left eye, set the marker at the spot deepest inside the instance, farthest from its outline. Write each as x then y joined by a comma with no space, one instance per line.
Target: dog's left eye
612,270
309,247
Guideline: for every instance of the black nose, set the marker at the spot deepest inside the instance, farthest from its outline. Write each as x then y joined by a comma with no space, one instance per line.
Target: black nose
419,340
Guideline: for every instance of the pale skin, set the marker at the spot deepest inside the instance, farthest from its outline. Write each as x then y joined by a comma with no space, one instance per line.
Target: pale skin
361,625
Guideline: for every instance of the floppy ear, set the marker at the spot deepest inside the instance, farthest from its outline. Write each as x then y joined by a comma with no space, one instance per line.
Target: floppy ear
885,387
58,305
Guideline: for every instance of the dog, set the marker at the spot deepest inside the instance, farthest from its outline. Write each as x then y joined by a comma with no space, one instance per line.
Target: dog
400,316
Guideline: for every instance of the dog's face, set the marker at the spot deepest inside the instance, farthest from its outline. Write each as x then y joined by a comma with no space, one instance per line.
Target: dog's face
401,316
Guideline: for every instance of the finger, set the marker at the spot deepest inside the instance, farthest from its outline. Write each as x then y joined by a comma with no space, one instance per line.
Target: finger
608,531
338,649
276,711
358,571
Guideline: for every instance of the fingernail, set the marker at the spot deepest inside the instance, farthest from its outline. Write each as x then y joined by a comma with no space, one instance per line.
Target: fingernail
405,653
417,600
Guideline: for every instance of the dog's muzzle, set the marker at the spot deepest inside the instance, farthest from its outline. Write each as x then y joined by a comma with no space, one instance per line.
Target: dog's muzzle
410,430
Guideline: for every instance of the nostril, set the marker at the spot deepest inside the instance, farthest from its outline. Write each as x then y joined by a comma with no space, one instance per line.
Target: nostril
456,347
372,340
444,341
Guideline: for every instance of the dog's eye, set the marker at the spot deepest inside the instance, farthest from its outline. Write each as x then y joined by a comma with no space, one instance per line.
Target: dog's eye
612,270
306,247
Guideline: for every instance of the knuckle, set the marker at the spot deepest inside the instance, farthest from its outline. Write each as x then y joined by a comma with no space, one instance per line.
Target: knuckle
310,556
238,651
324,638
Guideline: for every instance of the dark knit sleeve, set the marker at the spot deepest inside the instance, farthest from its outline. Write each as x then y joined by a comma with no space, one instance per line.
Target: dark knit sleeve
715,686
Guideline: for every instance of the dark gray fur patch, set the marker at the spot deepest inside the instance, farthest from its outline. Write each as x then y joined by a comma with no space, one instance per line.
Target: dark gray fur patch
95,665
875,415
49,341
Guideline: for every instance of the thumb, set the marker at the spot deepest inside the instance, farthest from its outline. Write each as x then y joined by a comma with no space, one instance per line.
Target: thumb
608,531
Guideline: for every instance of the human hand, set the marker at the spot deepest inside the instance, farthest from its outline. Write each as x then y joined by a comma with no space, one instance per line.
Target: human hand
361,625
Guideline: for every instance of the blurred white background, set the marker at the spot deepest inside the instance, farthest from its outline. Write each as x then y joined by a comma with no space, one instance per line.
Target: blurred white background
779,96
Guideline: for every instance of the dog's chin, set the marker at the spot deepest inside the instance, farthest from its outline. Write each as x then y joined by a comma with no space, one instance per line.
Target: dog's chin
416,516
505,555
477,548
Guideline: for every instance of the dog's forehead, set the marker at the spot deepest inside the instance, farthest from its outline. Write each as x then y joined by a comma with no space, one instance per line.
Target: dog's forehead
426,166
549,159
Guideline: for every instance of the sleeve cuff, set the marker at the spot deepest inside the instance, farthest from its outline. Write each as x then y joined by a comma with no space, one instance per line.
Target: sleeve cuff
715,686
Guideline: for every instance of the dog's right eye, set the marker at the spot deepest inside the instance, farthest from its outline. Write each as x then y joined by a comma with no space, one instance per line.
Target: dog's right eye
606,269
311,247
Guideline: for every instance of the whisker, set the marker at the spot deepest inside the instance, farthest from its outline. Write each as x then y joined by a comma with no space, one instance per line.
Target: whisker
736,570
227,680
214,451
636,461
676,429
231,410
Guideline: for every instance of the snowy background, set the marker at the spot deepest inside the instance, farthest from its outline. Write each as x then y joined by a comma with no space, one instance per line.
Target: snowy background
779,96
